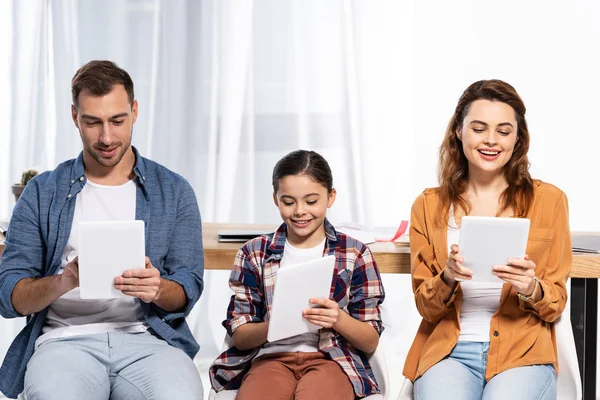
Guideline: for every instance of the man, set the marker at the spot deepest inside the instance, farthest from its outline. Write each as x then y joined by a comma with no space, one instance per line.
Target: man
138,347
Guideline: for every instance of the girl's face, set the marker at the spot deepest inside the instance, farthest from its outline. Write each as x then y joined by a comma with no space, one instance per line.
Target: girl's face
303,203
488,135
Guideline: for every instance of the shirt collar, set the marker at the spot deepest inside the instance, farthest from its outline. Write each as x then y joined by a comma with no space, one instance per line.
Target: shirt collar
78,172
280,236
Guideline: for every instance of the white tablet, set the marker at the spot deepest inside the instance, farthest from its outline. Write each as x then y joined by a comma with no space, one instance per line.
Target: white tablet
488,241
106,250
294,287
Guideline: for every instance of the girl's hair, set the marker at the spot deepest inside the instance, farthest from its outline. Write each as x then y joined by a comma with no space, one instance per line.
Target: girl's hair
303,162
453,170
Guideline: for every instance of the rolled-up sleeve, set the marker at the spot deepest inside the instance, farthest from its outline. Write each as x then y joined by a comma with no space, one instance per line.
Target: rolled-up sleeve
553,276
433,297
366,291
184,262
246,304
23,256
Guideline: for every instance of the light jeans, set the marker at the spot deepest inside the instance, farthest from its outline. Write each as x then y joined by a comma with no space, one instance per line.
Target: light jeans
115,365
461,376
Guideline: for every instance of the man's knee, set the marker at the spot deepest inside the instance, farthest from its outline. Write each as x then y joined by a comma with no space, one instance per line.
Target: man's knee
62,371
166,374
157,388
65,389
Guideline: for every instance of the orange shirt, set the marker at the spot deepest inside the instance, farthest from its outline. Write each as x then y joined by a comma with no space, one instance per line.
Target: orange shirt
520,333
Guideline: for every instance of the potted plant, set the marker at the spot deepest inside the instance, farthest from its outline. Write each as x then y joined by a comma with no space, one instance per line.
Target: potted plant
17,188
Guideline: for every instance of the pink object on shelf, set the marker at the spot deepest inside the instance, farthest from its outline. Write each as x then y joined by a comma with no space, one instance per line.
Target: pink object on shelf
401,231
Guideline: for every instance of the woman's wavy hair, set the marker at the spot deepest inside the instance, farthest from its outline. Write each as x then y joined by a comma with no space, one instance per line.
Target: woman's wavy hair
453,170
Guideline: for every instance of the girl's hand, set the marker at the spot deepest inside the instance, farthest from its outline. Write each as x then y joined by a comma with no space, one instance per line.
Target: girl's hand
454,269
326,316
519,272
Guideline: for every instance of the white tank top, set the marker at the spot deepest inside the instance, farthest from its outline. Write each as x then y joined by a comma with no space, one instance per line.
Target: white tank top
480,299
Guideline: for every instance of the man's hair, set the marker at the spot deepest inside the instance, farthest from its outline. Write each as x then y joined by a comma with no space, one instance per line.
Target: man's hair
99,77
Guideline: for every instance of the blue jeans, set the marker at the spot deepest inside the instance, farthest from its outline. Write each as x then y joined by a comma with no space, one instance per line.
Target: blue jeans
461,376
112,366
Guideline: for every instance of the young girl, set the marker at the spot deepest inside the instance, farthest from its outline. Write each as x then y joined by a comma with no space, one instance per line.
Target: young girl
481,340
326,364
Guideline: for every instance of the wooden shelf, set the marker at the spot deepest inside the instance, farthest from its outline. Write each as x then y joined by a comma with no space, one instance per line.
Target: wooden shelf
391,257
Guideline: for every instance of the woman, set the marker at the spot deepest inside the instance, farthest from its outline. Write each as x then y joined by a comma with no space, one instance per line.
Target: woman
486,340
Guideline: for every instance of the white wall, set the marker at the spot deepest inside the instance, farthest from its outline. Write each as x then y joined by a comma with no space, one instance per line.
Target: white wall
548,50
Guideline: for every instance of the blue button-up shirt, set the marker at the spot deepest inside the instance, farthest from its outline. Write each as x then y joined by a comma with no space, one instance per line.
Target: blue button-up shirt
39,230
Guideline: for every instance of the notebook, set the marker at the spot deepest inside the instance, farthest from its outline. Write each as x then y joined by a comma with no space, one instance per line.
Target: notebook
586,243
240,235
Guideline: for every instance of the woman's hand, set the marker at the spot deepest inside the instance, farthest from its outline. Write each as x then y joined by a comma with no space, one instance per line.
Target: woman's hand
519,272
326,315
454,269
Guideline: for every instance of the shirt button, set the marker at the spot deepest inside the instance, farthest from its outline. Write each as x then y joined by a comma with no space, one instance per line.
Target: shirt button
496,334
81,178
69,196
73,181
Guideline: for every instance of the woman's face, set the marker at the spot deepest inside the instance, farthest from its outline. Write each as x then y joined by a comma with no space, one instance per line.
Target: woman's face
488,135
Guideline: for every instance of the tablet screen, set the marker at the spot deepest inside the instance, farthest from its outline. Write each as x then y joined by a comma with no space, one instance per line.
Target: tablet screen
488,241
294,287
106,250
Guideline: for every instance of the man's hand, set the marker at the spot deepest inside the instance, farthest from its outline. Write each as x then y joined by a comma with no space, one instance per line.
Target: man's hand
32,295
69,279
141,283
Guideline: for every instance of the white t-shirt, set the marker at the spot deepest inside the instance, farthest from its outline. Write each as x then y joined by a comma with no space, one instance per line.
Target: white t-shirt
306,342
70,315
480,300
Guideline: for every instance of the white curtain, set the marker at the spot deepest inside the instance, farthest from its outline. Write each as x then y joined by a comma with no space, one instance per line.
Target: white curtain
226,88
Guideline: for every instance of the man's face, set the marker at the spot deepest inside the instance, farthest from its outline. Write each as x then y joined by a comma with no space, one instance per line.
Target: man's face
105,124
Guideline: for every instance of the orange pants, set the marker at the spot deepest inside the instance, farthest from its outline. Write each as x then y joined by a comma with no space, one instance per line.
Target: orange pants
299,376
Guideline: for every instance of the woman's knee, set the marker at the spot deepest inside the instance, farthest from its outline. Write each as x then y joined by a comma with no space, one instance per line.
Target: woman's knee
533,382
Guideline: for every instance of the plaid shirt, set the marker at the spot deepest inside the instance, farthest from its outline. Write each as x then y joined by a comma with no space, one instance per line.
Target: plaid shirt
356,287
